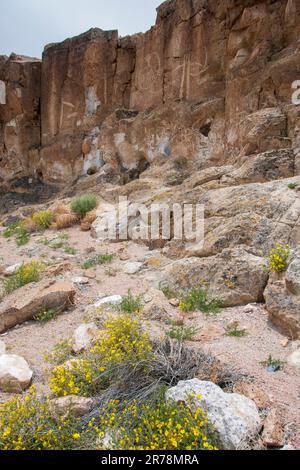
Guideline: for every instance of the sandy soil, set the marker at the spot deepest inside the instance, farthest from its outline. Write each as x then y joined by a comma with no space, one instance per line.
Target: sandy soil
32,340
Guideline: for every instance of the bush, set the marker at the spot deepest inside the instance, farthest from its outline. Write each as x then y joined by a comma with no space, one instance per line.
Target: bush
121,342
27,424
181,333
198,299
278,258
17,230
156,425
84,204
46,315
293,185
42,219
27,273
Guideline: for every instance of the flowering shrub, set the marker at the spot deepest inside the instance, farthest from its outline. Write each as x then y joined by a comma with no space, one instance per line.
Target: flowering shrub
121,342
157,425
198,299
278,258
27,424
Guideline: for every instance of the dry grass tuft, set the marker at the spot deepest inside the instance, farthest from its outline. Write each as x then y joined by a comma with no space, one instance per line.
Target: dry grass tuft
64,221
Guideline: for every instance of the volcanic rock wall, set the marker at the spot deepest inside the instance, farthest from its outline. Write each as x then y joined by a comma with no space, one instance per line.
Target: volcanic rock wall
210,82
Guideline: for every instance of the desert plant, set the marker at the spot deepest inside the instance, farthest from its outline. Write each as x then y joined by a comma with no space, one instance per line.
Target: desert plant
61,352
28,424
293,185
70,250
130,303
88,219
42,219
198,299
273,364
278,258
27,273
168,292
83,204
18,231
236,332
64,221
181,332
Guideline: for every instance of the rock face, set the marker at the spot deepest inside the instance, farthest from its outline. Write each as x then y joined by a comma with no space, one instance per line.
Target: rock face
235,417
31,299
15,373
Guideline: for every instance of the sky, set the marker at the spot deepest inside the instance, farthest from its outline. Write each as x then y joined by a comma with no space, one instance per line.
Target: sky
26,26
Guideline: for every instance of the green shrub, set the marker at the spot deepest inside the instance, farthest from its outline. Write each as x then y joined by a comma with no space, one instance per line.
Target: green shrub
181,333
293,185
83,204
169,293
198,299
98,260
236,332
17,231
46,315
61,352
42,219
27,273
278,258
28,424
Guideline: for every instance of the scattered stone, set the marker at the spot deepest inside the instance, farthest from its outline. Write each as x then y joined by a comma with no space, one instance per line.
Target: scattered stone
84,337
284,343
90,273
124,256
113,300
174,302
15,373
158,308
147,298
71,405
23,304
235,417
132,268
294,359
209,333
2,347
154,262
10,270
254,392
273,434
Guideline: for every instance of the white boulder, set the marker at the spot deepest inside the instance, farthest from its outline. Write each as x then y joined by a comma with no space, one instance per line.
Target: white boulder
84,337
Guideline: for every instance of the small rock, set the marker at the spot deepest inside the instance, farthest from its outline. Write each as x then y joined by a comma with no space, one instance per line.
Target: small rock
132,268
288,447
124,256
10,270
294,359
147,298
232,325
273,435
84,337
174,302
71,405
15,373
209,333
90,273
113,299
154,262
2,347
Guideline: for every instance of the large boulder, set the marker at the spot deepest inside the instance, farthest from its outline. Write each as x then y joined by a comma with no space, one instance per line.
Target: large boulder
235,417
235,276
26,302
15,373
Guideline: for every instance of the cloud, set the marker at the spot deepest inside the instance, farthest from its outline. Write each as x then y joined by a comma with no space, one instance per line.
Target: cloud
28,25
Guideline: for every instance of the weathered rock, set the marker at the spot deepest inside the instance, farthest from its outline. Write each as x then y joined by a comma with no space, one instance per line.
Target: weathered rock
26,302
71,405
2,347
84,337
111,300
235,417
15,373
158,307
273,434
254,392
234,276
10,270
